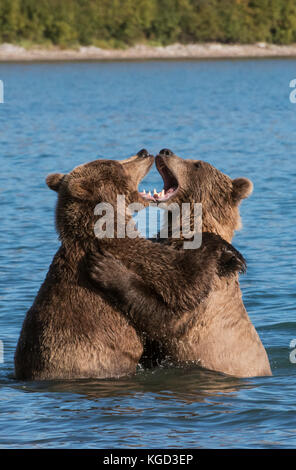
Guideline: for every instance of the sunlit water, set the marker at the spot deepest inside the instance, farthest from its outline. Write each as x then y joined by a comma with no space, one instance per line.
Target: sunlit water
235,115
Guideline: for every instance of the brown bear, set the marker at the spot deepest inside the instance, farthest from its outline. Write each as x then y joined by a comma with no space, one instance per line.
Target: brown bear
218,334
71,330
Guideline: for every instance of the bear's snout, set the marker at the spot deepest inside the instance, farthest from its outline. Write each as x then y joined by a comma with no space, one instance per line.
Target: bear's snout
166,152
143,153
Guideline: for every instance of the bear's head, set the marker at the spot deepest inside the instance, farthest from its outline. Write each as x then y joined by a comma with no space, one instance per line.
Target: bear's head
99,181
196,181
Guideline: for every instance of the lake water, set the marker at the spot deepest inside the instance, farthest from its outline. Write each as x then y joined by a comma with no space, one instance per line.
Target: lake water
234,114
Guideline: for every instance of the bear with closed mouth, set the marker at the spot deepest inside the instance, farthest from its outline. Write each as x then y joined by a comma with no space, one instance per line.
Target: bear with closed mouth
218,334
72,330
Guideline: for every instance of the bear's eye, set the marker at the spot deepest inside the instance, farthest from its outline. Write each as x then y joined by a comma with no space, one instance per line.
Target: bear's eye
197,165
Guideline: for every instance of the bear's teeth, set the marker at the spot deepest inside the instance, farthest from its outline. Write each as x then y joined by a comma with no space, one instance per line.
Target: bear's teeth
154,191
162,193
149,194
144,192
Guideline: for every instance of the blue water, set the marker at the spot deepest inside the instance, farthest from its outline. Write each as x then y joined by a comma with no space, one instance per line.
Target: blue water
235,115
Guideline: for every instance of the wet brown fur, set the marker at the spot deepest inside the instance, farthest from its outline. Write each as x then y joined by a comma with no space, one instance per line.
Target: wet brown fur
72,330
221,336
218,334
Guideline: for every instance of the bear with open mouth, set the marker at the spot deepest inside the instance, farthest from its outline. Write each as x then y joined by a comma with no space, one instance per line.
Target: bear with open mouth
72,330
218,334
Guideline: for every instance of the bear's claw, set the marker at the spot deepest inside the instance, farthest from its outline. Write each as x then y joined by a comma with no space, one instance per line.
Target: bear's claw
231,261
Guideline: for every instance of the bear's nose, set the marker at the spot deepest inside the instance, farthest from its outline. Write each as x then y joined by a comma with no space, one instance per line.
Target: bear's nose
166,152
143,153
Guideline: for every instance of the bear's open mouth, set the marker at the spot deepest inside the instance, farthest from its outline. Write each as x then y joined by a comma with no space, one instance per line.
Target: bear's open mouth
170,184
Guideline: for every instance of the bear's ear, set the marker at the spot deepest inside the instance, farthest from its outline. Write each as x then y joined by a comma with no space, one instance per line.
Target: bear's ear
54,180
82,188
241,189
